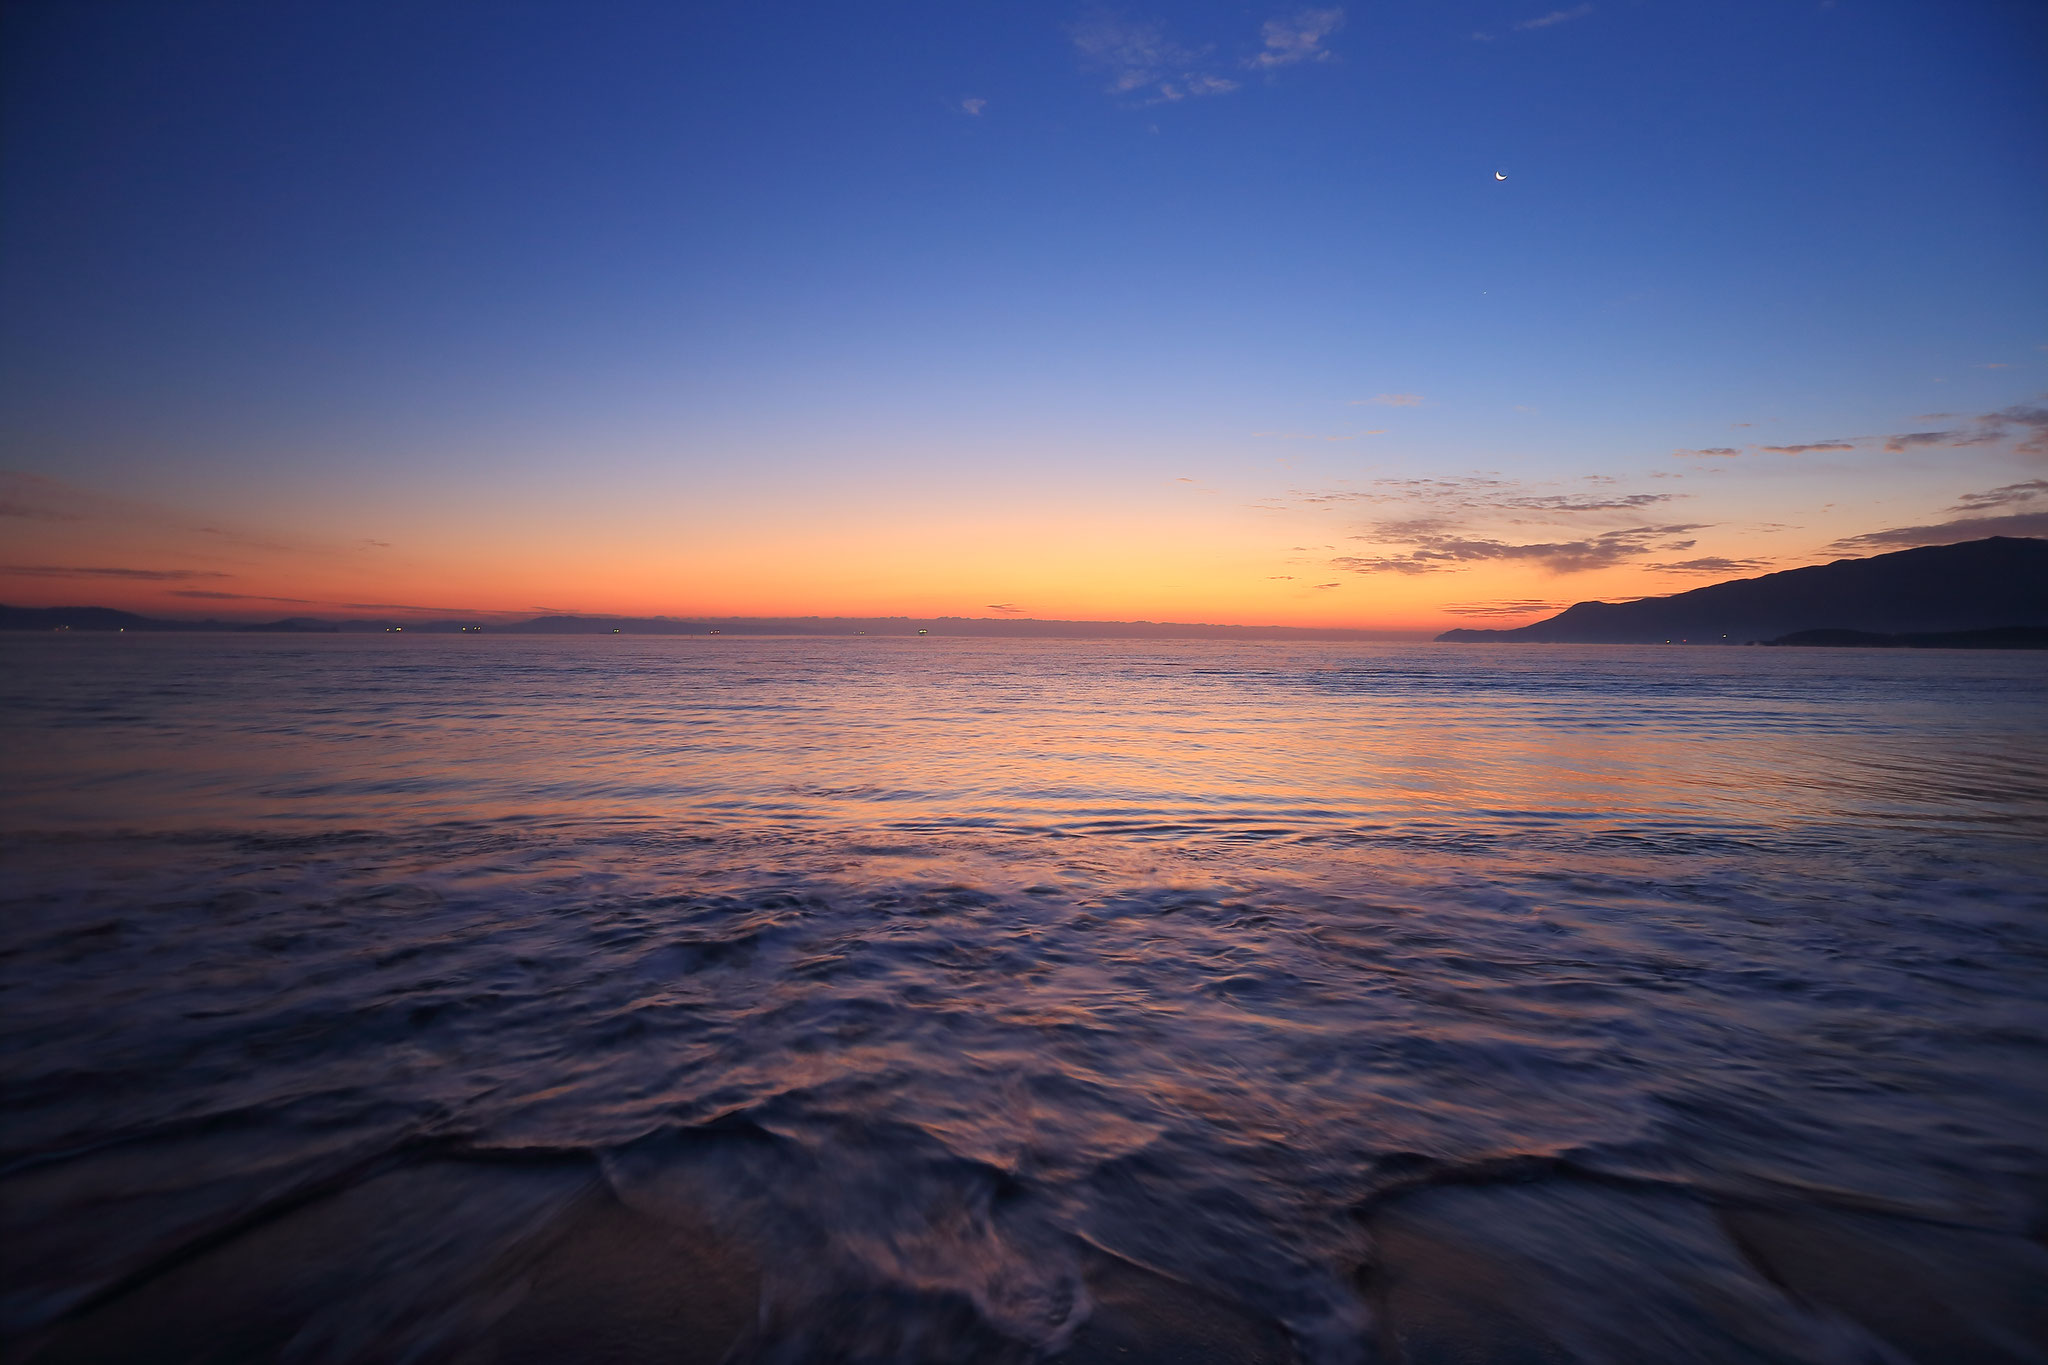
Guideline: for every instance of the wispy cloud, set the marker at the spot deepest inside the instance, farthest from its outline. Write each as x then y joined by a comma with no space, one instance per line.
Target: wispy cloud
1581,502
2028,422
1556,16
37,497
1133,54
1297,38
2025,422
1447,553
209,595
1906,440
1584,502
1714,564
96,571
2032,421
1718,451
251,542
27,510
2002,496
1946,533
973,106
1478,493
33,497
1140,57
1391,400
1007,608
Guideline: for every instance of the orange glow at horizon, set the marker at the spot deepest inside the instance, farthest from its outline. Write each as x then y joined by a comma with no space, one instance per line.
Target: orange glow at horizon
1162,552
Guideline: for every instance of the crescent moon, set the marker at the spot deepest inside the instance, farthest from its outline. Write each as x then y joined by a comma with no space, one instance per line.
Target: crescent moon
1498,176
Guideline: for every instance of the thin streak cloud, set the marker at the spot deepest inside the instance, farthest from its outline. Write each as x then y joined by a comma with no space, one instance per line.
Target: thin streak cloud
1712,564
1555,17
1944,533
210,595
2002,496
97,571
1524,607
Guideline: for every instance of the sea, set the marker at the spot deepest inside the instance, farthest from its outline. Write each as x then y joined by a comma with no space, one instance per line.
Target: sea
946,970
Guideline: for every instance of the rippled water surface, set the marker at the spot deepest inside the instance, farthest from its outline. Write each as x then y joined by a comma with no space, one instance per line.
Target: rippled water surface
953,963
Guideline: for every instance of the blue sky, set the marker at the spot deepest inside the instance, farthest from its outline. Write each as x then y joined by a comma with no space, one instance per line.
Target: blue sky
735,282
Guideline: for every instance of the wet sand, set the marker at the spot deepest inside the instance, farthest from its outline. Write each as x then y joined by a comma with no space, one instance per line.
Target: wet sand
504,1263
522,1261
1557,1268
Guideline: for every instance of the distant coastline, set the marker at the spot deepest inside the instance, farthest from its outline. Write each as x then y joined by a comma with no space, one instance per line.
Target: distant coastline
102,620
2008,637
1981,594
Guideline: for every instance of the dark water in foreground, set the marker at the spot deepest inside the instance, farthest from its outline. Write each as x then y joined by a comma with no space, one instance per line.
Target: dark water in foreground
943,971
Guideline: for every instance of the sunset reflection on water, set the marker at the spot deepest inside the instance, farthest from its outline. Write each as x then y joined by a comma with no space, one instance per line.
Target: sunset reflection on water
951,985
1288,740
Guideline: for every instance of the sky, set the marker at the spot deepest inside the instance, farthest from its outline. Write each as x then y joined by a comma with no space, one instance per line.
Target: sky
1393,315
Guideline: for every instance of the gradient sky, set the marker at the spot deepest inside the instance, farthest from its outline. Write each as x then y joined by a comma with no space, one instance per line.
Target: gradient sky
1212,312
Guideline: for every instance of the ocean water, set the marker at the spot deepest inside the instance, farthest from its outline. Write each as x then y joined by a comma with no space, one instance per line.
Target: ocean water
942,966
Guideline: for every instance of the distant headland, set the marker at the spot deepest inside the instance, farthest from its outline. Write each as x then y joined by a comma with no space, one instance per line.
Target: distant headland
1980,594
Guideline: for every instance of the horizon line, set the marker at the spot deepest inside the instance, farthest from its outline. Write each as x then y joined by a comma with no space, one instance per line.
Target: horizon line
486,622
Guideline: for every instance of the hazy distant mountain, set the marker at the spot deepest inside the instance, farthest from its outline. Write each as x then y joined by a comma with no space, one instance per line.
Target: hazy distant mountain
1004,627
1978,585
109,619
93,618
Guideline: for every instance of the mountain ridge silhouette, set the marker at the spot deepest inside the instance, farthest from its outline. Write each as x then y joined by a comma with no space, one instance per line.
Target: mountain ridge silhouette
1974,585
